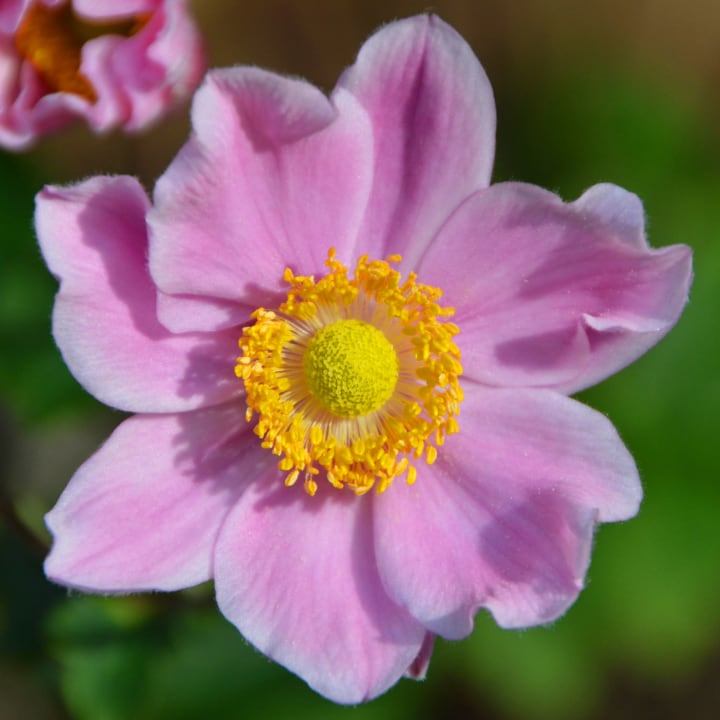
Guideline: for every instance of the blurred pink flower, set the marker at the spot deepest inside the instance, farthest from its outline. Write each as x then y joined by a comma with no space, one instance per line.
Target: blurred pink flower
352,378
115,64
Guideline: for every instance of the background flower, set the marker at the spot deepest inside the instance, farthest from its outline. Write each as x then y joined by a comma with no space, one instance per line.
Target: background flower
614,93
121,64
346,590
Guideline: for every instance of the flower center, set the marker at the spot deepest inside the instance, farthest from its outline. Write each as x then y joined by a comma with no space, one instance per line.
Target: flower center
51,39
351,368
354,378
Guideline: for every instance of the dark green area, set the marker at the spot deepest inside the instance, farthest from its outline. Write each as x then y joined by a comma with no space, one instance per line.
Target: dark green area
34,382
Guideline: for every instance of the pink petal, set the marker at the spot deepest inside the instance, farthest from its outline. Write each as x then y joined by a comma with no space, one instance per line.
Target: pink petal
504,519
274,176
26,110
192,313
139,78
143,513
113,106
10,13
554,295
93,237
104,9
433,121
297,576
620,211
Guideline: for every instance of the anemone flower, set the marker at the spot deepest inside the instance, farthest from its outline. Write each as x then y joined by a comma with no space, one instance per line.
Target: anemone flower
115,64
350,360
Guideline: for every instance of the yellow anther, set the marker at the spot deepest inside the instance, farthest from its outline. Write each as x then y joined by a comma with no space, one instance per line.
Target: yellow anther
411,475
316,435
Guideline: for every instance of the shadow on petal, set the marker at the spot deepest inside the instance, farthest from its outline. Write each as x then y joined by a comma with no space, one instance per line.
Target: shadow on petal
538,550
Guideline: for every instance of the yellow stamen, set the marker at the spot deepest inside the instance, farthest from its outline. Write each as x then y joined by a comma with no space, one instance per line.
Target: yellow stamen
357,377
52,39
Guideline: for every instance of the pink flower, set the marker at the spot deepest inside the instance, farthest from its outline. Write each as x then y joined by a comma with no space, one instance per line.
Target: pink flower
258,467
119,63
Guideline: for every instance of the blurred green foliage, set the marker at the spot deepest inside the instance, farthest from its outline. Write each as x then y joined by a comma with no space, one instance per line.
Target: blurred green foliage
33,379
143,661
650,611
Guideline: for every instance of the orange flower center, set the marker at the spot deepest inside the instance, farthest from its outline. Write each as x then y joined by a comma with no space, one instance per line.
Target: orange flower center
52,40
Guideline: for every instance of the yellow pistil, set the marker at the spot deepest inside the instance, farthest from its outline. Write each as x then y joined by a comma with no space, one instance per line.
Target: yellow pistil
351,368
357,377
52,39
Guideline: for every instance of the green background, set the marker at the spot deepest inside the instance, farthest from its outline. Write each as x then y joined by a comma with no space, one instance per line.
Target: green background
585,94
